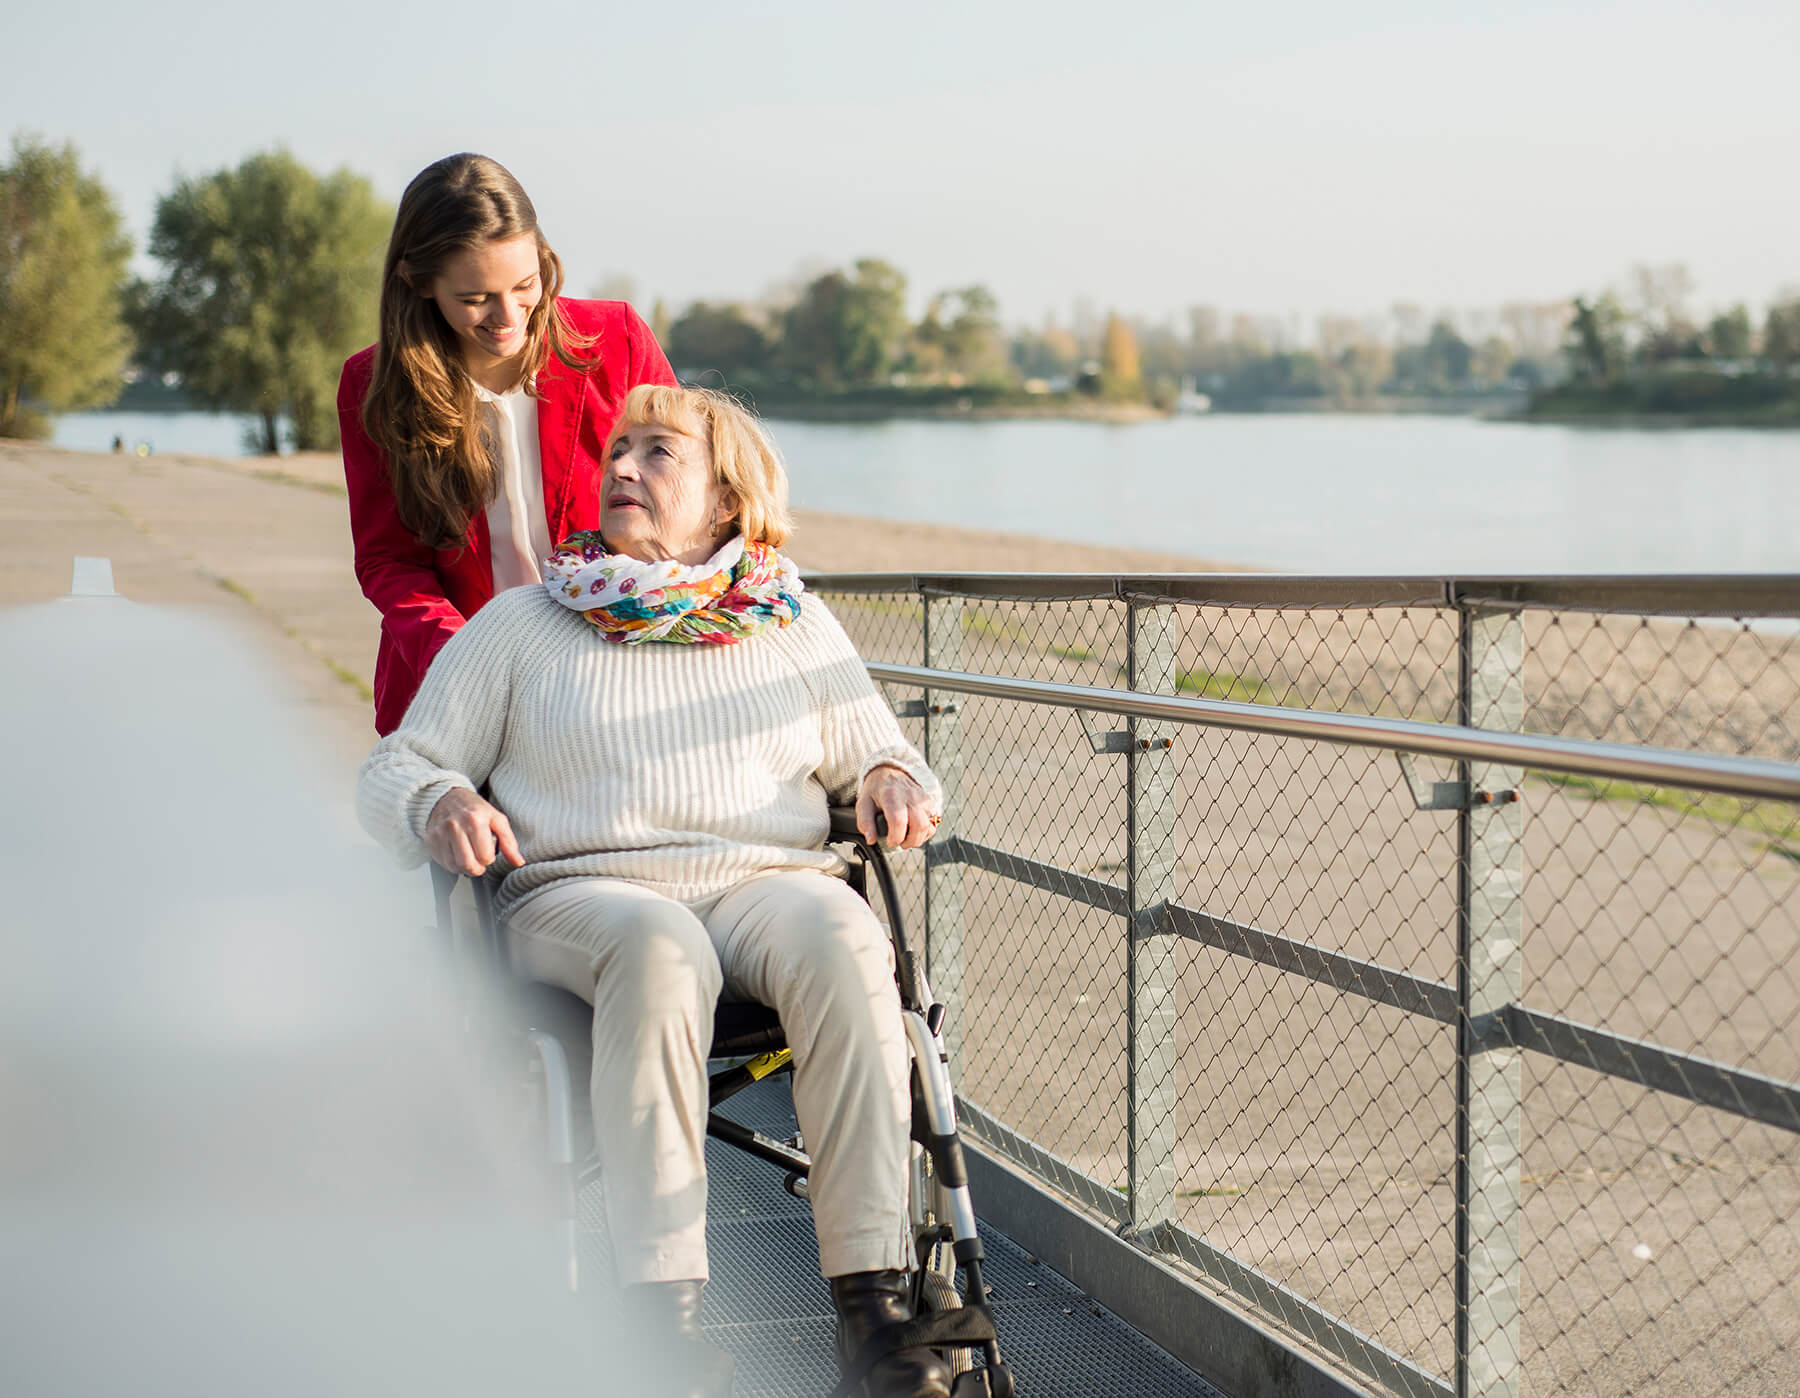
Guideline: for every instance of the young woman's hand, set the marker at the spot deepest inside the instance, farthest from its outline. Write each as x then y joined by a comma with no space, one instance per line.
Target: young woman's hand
910,818
463,833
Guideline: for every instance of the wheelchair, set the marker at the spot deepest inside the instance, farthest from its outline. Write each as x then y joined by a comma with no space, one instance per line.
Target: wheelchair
748,1040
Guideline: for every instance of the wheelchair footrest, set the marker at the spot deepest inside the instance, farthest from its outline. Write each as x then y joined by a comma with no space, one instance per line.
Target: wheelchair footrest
963,1328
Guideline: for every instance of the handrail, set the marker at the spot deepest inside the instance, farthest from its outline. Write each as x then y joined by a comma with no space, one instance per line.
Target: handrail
1482,644
1730,776
1674,594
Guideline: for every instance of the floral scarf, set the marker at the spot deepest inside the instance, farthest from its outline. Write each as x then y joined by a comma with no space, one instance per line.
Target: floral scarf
740,590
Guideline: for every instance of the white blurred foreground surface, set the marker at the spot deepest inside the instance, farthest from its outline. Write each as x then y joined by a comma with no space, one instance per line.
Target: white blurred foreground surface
242,1147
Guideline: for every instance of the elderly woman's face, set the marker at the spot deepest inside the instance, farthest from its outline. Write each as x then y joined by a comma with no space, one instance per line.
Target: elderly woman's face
659,499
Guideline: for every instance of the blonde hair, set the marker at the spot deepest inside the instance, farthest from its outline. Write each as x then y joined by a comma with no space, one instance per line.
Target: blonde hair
744,460
421,406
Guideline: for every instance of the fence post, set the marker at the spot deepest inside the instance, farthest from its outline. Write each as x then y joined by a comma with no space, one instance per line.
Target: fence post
1151,1011
1489,1082
944,881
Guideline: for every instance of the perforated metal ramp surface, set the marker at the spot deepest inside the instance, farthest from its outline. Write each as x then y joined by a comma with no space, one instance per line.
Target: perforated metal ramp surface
768,1305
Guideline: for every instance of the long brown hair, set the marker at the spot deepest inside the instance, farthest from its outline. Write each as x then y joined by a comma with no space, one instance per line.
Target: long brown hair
421,408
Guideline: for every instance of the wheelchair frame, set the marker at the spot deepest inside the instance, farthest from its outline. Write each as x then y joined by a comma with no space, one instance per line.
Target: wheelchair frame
941,1213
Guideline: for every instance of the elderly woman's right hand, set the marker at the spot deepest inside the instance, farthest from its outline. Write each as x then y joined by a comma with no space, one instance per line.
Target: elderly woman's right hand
463,832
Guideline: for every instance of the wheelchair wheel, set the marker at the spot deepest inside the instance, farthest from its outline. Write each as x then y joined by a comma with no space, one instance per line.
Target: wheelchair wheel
939,1294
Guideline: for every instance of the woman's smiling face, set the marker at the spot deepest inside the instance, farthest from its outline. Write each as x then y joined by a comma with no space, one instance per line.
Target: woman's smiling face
486,295
659,498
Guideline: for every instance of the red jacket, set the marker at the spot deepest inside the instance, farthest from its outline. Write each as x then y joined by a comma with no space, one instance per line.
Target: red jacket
425,594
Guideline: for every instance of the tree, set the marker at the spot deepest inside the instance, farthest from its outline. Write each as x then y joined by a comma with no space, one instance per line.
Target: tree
1448,358
1360,370
1408,319
1781,333
1120,374
847,330
1729,335
1203,329
1493,361
1659,297
1595,345
1047,354
271,278
62,280
960,335
716,337
615,286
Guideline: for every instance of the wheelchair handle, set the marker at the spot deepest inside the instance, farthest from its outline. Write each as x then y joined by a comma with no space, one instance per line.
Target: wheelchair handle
844,826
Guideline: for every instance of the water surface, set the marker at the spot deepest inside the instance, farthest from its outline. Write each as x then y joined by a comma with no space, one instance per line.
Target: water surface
1303,492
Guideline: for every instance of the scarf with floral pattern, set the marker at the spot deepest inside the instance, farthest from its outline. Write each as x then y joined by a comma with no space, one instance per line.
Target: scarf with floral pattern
742,589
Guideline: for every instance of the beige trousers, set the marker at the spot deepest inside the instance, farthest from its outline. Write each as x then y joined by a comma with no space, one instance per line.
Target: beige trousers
653,969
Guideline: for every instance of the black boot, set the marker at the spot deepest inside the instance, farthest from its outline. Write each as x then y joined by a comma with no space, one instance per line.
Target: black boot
665,1332
865,1302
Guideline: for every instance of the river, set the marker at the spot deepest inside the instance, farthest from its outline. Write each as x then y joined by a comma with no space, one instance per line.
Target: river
1304,492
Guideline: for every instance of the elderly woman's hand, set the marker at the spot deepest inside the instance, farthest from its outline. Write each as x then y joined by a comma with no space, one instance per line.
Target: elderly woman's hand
463,831
910,819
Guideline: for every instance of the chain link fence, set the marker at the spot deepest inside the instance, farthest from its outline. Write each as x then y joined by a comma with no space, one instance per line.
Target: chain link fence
1475,1075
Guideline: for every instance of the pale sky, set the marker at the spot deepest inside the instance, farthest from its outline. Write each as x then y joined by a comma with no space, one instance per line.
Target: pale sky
1284,158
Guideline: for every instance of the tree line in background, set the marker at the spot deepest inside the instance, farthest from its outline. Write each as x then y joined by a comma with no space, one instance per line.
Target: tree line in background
268,281
269,275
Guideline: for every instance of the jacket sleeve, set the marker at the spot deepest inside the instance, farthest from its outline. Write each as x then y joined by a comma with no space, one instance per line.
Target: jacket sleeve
858,731
397,573
648,363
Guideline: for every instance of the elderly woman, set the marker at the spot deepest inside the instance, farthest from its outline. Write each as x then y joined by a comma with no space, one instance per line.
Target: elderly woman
664,723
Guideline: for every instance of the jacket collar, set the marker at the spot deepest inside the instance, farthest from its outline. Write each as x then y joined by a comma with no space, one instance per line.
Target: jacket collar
561,402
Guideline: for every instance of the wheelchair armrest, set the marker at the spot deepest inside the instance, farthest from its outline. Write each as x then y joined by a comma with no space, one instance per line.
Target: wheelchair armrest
443,884
843,825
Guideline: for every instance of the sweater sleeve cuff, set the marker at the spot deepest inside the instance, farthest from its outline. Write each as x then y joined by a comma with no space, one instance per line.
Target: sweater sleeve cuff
909,762
420,803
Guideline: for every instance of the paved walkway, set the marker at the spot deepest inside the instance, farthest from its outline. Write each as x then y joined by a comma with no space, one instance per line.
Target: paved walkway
768,1305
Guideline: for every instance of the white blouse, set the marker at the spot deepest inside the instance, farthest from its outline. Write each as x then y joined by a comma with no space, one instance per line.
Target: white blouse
518,530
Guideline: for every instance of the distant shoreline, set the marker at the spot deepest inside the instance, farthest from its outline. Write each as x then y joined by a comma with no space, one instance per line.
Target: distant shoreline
1667,400
1678,397
1657,421
962,410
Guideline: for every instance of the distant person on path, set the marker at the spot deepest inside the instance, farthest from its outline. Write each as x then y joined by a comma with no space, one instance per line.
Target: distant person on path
473,429
118,445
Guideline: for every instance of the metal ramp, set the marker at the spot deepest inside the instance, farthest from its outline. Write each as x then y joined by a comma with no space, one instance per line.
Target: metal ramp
768,1305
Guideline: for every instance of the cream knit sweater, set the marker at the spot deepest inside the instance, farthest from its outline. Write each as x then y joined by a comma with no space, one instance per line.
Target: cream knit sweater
685,768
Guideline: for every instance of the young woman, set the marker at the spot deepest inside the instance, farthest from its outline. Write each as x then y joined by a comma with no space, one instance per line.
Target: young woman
473,429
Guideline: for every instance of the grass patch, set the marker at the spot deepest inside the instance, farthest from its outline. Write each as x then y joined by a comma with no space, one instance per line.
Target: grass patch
1773,818
1222,684
343,672
975,624
1207,1191
347,675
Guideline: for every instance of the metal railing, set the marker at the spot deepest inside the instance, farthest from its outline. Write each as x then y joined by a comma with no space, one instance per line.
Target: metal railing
1477,1085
